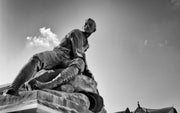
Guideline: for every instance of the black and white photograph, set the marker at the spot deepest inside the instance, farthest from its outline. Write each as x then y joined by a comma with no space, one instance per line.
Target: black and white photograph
89,56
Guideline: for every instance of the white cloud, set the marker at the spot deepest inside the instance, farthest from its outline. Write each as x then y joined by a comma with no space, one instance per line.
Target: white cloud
155,44
46,39
145,42
176,3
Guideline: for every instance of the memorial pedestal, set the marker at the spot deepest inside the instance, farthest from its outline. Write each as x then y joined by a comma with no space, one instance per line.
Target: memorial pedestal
48,101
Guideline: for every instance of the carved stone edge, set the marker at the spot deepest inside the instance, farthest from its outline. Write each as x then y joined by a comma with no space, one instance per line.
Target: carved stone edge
41,99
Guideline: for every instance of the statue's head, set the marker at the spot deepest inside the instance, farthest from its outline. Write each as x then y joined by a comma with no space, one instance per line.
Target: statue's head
89,26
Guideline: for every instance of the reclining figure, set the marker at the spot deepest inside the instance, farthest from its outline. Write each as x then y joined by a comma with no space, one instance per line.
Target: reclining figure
79,84
69,55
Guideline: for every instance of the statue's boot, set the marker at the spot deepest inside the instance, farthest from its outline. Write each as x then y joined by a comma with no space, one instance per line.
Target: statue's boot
25,74
10,91
65,76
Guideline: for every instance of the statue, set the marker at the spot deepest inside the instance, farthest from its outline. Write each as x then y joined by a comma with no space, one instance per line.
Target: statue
68,61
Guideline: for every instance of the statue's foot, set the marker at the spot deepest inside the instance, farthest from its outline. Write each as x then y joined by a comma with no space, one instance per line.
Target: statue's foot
11,91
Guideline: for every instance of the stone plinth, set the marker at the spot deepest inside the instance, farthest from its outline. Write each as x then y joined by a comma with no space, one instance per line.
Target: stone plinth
47,101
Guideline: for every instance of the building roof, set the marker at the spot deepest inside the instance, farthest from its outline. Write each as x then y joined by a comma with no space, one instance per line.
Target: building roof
140,109
126,111
162,110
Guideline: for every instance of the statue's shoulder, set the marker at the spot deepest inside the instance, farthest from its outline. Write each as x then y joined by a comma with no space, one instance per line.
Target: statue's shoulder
75,31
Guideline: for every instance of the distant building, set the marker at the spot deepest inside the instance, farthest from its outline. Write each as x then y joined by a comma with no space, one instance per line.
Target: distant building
140,109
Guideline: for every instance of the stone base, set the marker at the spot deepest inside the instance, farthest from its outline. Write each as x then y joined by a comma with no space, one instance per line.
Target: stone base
31,108
48,101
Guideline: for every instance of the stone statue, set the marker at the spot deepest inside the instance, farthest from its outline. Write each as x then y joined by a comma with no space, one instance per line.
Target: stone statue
65,68
69,54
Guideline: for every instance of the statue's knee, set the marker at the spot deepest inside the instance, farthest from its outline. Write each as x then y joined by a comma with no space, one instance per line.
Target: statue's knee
35,61
79,63
34,58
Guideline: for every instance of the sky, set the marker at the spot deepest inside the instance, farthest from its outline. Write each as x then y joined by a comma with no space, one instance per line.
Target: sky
134,55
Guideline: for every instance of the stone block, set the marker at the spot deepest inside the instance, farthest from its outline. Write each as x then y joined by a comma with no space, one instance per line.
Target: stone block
47,101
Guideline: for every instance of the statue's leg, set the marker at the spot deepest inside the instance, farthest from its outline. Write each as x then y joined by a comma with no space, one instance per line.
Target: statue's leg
25,73
44,60
75,67
47,75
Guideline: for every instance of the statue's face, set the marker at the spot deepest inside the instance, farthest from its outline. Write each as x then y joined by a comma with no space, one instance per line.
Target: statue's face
89,26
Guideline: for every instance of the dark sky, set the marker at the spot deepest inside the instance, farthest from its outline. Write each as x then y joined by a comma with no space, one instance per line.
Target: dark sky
134,55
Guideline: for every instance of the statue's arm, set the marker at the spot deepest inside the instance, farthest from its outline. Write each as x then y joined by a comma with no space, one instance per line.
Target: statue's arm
87,72
77,44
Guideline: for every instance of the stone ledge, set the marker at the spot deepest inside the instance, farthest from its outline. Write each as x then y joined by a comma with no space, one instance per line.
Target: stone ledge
47,101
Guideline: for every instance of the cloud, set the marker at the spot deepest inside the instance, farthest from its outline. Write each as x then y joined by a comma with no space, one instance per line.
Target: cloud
46,39
176,3
153,44
146,42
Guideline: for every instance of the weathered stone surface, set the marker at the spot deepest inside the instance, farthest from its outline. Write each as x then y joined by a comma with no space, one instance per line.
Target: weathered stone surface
84,83
48,100
64,99
80,83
